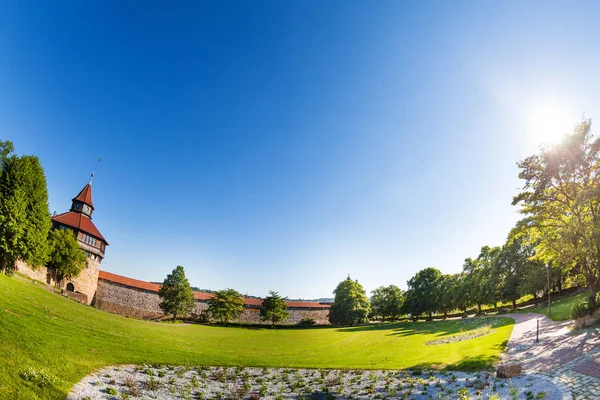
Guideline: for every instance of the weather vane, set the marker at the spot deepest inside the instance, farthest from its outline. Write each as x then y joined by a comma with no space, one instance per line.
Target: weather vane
92,177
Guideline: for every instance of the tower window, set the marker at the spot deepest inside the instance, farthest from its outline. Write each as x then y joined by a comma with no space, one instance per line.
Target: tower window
89,239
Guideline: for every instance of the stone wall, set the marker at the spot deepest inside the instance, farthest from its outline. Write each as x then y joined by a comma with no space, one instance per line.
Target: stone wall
84,284
39,274
87,281
588,320
140,303
133,302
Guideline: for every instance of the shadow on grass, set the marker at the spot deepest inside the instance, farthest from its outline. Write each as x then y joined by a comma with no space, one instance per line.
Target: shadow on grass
437,328
467,364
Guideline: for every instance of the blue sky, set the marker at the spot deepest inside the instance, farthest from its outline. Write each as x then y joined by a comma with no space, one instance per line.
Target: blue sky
285,145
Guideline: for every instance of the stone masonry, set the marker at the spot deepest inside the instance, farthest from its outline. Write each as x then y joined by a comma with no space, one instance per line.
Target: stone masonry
141,303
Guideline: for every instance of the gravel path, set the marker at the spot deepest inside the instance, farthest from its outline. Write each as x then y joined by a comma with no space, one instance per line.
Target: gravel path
167,382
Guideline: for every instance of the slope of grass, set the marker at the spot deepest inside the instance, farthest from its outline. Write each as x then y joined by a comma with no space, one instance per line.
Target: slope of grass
561,309
47,333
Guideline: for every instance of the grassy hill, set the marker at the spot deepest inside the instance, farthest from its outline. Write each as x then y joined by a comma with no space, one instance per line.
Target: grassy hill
561,309
43,332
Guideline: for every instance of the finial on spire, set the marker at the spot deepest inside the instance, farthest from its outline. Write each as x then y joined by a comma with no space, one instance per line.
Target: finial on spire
93,172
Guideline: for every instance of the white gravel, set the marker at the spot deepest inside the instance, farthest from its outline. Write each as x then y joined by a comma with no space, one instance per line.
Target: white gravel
171,382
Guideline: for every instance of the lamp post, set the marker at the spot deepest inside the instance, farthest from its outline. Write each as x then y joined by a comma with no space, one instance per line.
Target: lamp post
549,302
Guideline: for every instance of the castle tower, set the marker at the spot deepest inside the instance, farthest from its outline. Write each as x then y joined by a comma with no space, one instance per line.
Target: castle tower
79,220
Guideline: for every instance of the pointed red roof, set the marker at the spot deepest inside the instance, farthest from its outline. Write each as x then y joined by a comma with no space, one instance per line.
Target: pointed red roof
79,221
85,196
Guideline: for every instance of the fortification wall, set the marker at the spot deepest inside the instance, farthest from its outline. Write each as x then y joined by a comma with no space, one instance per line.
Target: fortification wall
84,285
133,302
39,274
87,280
140,303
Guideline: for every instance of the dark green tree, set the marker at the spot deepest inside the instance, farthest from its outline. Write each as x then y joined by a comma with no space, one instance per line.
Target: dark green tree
177,297
226,305
350,305
24,216
448,293
273,308
423,292
387,301
66,259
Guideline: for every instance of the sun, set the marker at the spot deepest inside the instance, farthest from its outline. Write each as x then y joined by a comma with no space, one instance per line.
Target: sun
548,121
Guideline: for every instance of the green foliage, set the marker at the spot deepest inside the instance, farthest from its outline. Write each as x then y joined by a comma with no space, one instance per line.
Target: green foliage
226,305
77,340
561,200
24,216
387,301
350,305
39,378
273,308
584,307
580,309
176,294
561,309
423,292
66,258
307,321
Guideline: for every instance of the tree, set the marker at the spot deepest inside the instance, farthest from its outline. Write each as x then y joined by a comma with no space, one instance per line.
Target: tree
24,216
176,294
561,200
387,301
273,308
226,305
66,259
350,304
481,280
448,295
423,292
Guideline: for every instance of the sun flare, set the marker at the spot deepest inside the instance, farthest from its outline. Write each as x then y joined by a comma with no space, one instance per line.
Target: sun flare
548,122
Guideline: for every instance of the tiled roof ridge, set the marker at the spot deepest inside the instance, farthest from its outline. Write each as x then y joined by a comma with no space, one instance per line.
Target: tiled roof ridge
155,287
85,196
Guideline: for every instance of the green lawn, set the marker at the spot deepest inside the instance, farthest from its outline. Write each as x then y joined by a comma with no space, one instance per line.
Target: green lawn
561,309
66,340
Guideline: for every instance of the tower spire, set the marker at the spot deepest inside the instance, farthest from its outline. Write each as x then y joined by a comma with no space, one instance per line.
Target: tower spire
94,171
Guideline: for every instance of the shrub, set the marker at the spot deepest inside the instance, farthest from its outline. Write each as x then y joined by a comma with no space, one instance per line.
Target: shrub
39,378
583,308
111,391
307,321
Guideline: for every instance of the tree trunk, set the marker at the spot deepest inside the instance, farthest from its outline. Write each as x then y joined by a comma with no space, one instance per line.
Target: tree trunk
479,307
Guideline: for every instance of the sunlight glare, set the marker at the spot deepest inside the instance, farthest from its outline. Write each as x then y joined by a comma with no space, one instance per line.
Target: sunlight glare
548,122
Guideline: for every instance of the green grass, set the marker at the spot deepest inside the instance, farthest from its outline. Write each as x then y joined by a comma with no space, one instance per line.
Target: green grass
44,334
561,309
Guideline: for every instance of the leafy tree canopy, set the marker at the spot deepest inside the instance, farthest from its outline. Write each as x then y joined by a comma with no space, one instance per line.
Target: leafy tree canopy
66,259
561,200
176,294
24,216
387,301
273,308
226,305
423,292
350,304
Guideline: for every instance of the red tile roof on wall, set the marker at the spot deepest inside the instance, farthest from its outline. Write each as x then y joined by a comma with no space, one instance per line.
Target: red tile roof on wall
154,287
85,195
79,221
